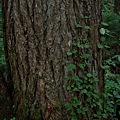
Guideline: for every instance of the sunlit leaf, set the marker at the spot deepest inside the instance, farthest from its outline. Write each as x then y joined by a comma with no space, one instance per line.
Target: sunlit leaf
78,26
87,27
102,31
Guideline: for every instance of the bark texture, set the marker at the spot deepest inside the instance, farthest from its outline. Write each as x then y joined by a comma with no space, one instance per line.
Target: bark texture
37,35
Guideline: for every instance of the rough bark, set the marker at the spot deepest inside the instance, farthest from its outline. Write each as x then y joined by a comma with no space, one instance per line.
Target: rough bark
37,35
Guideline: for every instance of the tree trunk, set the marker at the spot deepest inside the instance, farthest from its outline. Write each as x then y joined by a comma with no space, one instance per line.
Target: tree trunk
37,35
111,5
117,6
117,46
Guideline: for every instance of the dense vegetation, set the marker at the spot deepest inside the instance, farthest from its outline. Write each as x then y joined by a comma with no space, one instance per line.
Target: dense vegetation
110,37
111,42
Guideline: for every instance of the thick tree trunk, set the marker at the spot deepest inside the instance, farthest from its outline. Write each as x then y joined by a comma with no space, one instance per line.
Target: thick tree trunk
37,35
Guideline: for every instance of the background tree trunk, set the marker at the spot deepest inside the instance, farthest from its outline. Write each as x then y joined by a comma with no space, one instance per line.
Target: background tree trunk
111,5
117,6
117,46
37,35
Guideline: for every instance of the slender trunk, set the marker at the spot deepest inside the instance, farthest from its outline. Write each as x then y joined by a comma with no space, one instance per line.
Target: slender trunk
111,5
117,6
117,47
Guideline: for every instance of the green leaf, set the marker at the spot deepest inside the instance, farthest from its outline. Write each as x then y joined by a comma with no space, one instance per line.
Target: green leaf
86,17
78,110
119,58
87,27
71,67
75,77
69,53
98,103
75,98
86,46
109,94
84,91
78,26
105,67
89,75
83,112
105,24
74,51
68,106
79,102
69,43
105,115
81,66
96,91
79,44
102,31
74,105
111,74
88,94
116,94
75,89
63,63
68,87
68,78
86,56
100,46
72,113
72,85
74,118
